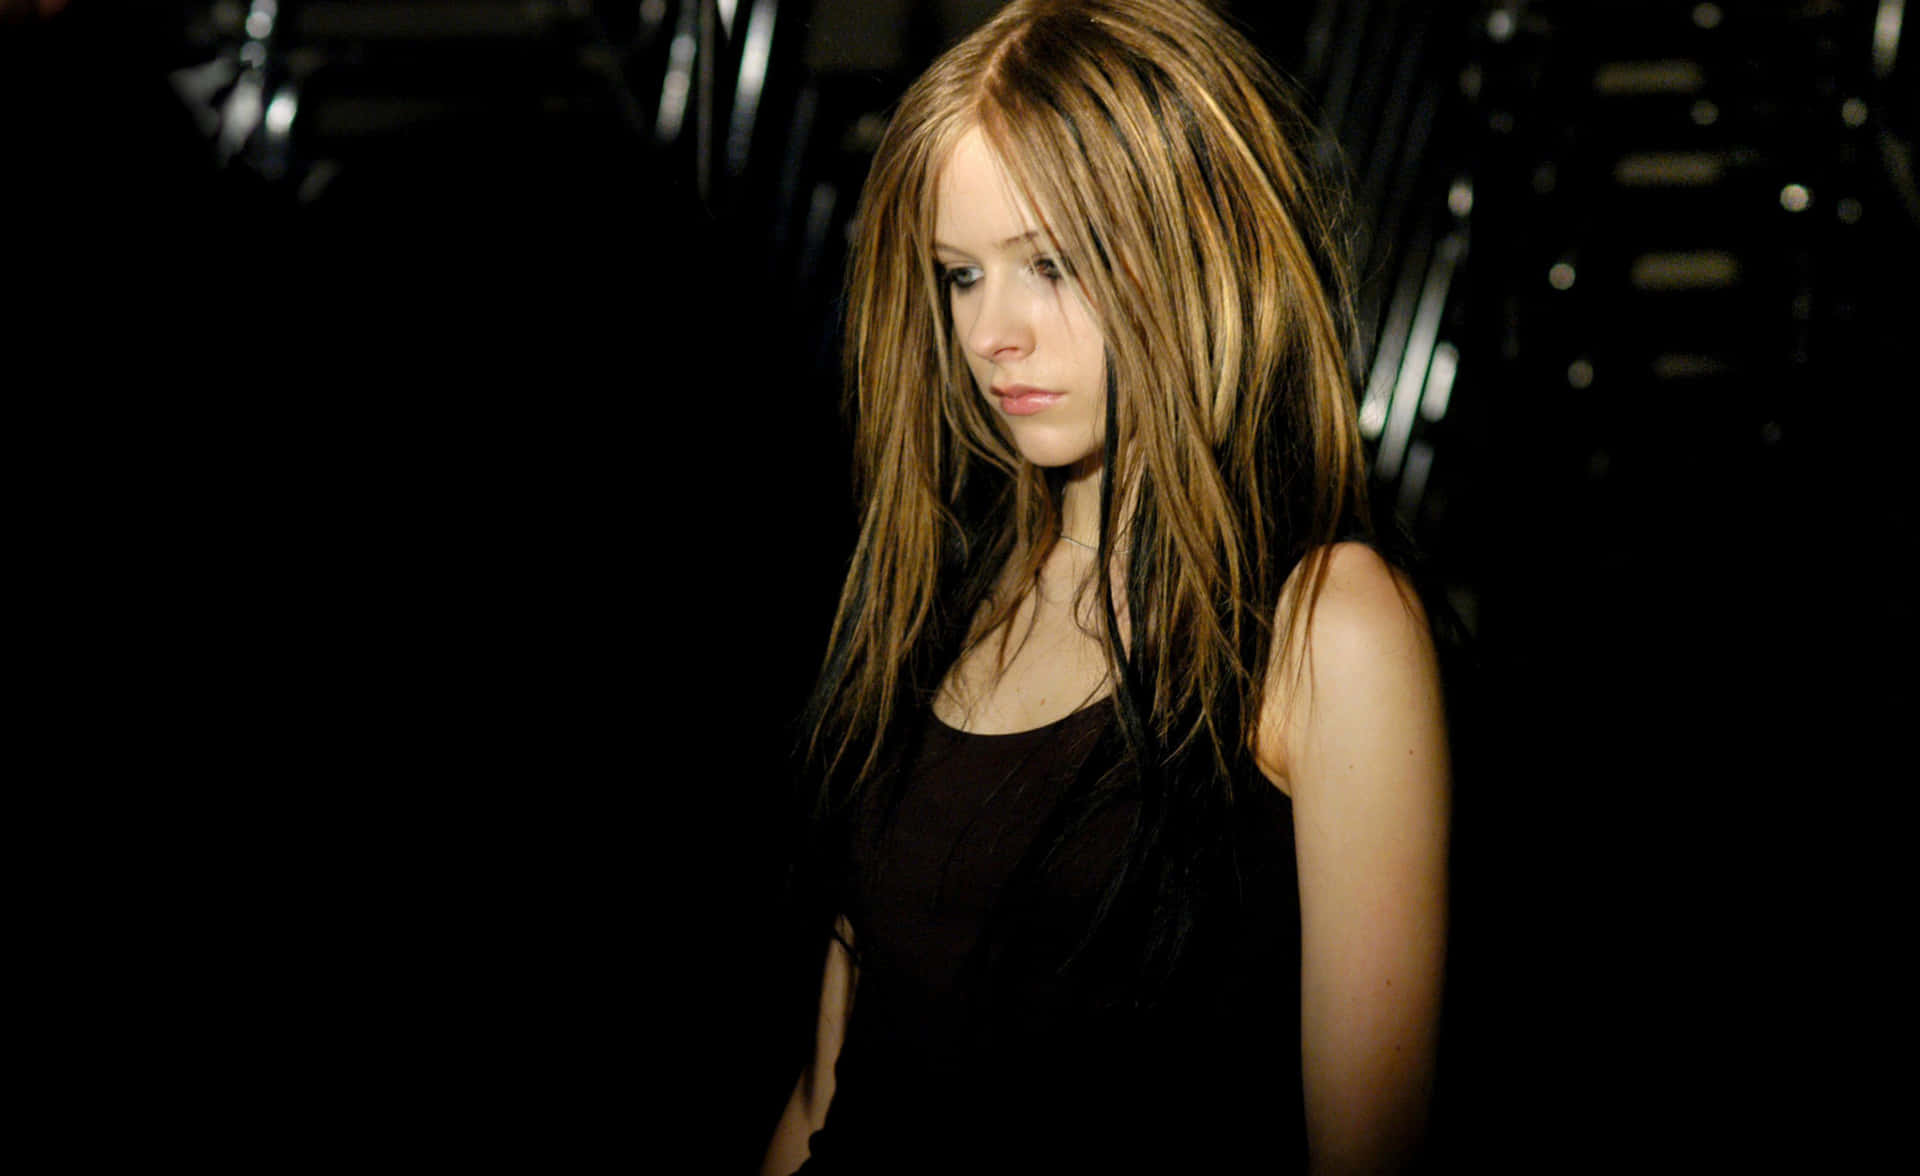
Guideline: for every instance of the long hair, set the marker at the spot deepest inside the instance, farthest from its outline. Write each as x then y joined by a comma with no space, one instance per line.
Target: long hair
1162,155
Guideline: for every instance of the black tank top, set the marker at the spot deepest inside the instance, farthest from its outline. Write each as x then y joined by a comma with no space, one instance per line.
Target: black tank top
943,1070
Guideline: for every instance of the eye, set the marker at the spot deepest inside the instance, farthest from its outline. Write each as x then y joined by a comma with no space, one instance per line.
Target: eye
1051,268
958,277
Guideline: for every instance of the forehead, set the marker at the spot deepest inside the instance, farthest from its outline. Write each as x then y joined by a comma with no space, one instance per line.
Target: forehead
977,207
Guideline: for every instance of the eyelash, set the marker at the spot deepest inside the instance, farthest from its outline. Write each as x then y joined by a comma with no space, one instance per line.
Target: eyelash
962,277
950,276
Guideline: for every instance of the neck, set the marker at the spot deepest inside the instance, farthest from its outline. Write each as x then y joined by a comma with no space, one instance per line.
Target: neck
1080,519
1080,501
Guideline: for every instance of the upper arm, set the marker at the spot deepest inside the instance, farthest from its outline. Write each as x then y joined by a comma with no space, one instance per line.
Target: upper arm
837,983
1361,745
806,1109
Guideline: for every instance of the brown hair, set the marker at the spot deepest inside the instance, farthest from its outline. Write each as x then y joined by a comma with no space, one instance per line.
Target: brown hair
1162,154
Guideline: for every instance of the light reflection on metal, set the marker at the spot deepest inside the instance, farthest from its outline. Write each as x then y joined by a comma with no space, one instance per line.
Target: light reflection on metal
1560,277
1412,376
754,55
1675,76
1848,210
273,149
1707,16
260,19
1669,169
1704,113
1460,197
1393,340
706,42
1886,36
1795,198
1446,364
280,112
1853,112
241,115
1580,373
1413,484
726,8
1500,24
199,88
1399,142
677,86
1702,269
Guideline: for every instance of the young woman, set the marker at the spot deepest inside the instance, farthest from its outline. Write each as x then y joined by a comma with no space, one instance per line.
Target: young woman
1132,804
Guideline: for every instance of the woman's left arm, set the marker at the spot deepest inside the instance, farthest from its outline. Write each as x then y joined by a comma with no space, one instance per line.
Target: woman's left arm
1359,740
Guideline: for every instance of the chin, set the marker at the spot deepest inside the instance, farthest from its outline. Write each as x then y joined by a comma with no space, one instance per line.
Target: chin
1053,452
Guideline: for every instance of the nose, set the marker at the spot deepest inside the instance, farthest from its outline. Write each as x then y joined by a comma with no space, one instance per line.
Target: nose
1002,327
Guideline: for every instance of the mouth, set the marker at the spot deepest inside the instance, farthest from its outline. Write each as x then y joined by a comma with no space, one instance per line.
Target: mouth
1021,400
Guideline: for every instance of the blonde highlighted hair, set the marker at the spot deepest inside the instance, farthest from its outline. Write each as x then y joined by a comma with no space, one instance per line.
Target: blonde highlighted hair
1163,158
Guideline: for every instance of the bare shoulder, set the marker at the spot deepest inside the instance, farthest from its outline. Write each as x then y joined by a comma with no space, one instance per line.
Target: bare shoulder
1359,742
1360,663
1366,609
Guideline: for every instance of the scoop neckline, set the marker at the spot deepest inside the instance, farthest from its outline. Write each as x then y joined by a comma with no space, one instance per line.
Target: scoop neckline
1071,715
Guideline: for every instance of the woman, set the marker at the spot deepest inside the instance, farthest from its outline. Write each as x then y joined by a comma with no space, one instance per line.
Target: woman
1132,777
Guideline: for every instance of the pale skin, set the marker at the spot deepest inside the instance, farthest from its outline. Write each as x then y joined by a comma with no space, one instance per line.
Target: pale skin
1351,729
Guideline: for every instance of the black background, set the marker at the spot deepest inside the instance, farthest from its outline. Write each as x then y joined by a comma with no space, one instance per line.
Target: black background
422,601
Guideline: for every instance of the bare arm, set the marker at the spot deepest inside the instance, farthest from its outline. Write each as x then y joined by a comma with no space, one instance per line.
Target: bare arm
807,1107
1360,743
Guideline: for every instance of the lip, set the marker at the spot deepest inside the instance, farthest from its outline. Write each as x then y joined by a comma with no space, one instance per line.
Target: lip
1024,400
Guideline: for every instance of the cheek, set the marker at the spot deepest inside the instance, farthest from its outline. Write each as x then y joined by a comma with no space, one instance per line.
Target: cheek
1093,361
1089,346
957,314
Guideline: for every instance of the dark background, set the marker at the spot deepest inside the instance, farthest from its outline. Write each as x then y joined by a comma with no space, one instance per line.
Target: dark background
437,496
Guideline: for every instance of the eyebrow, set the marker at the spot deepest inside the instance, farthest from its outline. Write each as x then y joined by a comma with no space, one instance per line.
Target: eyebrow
1006,244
